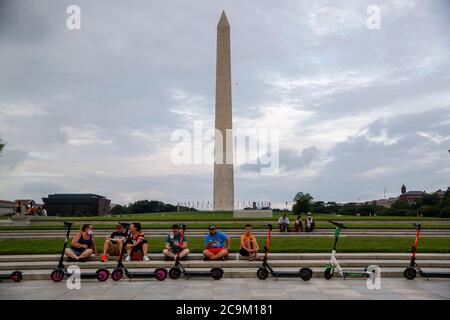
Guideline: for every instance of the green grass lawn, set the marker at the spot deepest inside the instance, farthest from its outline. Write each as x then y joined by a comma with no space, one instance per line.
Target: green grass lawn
222,216
258,226
309,244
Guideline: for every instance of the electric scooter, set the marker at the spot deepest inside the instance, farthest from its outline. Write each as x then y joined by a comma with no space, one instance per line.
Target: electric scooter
411,272
333,265
16,276
265,269
160,273
176,271
58,274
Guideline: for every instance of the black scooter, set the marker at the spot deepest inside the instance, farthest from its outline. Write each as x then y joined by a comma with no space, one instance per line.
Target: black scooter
15,276
411,272
159,273
61,270
176,271
265,269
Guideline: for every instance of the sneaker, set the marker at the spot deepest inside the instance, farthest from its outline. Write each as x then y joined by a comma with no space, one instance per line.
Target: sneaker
128,258
146,258
250,258
104,258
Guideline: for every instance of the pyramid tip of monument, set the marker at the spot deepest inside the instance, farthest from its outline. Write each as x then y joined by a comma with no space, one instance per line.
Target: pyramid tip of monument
223,21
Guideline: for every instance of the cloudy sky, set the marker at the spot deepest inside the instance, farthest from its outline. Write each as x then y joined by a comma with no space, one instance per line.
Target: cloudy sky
93,110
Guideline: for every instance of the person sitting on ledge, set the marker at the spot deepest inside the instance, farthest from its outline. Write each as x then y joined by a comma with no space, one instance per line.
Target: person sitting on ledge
137,246
249,246
113,245
215,245
173,244
283,222
83,244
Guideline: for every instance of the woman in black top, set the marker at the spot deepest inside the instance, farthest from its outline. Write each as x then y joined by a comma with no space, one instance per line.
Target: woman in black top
83,244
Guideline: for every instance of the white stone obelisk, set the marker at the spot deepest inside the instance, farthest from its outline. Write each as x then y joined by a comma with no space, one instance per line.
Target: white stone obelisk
223,155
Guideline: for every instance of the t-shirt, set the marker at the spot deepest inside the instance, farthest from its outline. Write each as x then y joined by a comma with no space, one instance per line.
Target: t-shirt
175,239
250,237
216,241
138,236
117,234
283,220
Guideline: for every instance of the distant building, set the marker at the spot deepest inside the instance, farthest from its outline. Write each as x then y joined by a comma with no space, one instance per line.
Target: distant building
77,205
7,207
411,196
387,203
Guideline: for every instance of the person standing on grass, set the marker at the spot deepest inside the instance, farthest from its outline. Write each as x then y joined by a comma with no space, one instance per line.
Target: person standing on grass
217,245
173,244
18,209
83,244
249,246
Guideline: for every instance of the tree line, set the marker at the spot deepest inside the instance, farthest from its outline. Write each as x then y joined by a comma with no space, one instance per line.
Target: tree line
429,205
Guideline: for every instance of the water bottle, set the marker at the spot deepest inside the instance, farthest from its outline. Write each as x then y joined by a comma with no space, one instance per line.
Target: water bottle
237,255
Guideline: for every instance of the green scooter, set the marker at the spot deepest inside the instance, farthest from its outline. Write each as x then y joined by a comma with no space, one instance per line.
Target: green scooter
333,265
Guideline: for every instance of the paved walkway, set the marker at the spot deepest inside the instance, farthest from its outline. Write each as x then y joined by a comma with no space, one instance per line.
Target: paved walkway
229,289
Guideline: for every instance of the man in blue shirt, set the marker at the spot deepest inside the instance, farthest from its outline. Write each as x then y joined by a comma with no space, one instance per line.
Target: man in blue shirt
217,245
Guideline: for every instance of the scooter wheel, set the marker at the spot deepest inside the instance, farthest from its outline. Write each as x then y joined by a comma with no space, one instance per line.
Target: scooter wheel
306,274
57,275
102,275
174,273
216,273
262,273
16,276
328,273
160,274
410,273
117,274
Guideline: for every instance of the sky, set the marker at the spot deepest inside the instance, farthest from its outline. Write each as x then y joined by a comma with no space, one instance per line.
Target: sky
359,111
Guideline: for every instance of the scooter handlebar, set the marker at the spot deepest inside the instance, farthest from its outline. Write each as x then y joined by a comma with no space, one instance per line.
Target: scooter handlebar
183,226
417,225
269,226
126,225
337,224
67,224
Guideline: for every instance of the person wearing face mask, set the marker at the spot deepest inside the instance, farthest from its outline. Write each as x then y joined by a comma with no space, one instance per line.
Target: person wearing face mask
83,244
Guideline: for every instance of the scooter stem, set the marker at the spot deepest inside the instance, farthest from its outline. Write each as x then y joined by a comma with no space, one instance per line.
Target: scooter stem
416,242
181,241
267,243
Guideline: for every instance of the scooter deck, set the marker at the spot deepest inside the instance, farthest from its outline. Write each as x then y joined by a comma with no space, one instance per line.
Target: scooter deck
356,274
435,274
286,274
197,273
141,275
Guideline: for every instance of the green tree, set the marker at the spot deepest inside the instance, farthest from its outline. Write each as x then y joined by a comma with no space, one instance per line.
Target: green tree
119,209
302,203
2,145
445,212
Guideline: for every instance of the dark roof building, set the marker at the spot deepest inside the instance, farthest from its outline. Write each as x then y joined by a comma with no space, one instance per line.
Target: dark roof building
411,196
77,204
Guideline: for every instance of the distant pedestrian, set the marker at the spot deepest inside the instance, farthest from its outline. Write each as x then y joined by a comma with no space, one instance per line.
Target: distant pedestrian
298,225
18,209
283,223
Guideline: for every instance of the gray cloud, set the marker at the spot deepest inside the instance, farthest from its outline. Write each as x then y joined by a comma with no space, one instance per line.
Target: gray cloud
94,108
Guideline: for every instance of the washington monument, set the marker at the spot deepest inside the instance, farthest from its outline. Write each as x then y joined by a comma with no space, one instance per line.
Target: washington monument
223,147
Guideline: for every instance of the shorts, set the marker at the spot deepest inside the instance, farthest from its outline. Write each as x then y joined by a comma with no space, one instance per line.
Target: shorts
244,252
113,249
77,252
215,250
